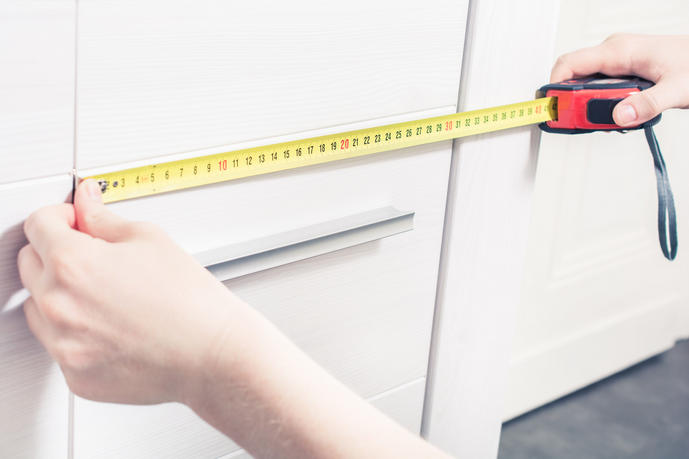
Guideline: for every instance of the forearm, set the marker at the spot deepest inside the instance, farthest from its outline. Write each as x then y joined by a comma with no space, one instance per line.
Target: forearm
268,396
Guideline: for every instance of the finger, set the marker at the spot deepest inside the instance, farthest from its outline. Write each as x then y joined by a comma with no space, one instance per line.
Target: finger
51,227
94,218
641,107
30,267
605,58
578,63
37,323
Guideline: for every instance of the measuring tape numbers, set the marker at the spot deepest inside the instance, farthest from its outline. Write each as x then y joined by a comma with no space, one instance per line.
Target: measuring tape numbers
204,170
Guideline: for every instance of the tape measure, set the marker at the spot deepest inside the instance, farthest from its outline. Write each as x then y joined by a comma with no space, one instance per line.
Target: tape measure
586,105
204,170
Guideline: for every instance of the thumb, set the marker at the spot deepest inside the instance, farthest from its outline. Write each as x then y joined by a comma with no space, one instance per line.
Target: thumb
643,106
94,219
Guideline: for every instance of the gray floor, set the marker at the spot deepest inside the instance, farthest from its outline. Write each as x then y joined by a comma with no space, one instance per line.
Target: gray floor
642,412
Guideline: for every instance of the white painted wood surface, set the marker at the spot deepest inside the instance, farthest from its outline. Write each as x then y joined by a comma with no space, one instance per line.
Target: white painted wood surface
508,56
33,394
37,52
403,404
598,295
160,77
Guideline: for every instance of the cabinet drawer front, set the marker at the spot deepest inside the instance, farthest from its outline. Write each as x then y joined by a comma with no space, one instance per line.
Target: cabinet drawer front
160,77
364,313
38,54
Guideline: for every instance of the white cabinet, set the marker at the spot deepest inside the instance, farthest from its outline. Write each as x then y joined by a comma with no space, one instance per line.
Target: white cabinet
156,80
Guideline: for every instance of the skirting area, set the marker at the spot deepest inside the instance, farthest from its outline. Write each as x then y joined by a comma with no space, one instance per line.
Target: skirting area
642,412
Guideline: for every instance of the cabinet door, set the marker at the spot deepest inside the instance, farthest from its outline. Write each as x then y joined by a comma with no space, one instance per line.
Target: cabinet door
37,51
34,399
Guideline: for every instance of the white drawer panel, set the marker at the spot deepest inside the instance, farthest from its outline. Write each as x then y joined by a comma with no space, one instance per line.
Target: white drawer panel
160,77
170,431
37,52
134,424
33,394
364,313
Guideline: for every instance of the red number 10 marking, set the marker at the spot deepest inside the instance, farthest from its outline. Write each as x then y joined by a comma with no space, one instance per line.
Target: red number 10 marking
222,165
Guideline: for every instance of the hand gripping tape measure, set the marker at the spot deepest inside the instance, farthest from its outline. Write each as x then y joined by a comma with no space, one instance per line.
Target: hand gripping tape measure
571,107
585,105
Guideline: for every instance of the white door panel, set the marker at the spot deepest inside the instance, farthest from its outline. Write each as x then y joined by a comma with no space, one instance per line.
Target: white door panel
598,295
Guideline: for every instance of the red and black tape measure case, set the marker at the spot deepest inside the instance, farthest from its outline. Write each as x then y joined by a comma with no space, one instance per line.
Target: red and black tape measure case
586,104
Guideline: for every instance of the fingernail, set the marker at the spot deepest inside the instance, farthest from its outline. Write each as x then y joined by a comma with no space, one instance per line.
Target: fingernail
93,190
627,114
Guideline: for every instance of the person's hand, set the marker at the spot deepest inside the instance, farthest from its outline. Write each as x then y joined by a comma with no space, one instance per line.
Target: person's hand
129,316
661,59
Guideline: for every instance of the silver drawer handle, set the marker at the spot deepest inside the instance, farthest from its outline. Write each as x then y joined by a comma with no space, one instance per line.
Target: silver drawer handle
279,249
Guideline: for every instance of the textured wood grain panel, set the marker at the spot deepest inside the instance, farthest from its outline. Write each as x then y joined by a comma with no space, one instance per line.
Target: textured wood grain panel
37,51
364,313
33,394
161,77
486,229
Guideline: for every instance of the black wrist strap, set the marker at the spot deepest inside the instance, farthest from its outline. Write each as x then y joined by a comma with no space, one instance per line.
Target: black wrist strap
666,202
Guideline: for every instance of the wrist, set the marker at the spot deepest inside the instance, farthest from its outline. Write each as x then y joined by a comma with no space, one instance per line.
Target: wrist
223,357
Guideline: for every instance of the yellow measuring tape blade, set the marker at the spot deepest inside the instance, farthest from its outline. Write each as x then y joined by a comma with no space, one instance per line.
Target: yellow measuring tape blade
204,170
